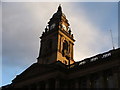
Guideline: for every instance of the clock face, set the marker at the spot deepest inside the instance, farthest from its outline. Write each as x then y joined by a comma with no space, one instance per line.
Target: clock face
52,26
64,27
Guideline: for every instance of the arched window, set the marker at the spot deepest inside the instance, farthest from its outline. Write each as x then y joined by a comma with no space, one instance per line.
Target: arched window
65,45
65,48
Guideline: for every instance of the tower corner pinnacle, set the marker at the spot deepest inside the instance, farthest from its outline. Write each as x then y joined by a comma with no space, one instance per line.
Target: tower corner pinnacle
60,8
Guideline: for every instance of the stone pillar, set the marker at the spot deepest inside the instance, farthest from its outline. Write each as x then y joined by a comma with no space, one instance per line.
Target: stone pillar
76,83
46,85
105,81
38,86
116,80
35,87
119,79
66,84
29,87
57,84
88,83
101,80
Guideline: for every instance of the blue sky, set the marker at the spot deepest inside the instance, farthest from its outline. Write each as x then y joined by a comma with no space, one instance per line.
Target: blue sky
23,24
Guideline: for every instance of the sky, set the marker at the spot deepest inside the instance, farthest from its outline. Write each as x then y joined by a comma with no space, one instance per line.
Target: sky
0,44
23,24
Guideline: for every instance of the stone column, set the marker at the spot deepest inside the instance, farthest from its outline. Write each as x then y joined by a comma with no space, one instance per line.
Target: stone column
37,86
46,85
76,83
105,81
88,83
59,42
119,79
116,80
66,84
57,84
101,80
29,87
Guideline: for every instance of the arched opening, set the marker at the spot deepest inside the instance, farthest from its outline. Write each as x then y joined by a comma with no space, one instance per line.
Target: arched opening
65,45
65,48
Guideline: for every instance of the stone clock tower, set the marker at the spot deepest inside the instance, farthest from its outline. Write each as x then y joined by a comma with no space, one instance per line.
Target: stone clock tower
57,41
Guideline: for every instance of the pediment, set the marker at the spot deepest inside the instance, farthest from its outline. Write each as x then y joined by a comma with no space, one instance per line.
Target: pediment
37,69
34,70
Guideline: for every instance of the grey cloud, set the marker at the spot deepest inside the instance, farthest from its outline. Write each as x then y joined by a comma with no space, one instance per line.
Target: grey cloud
20,35
23,24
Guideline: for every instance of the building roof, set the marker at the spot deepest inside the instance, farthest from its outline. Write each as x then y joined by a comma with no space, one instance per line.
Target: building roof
37,69
75,70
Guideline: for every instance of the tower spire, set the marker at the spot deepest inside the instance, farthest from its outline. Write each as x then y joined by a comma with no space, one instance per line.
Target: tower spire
57,41
60,8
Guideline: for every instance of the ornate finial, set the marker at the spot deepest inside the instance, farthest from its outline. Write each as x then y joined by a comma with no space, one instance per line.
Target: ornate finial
46,29
72,35
69,30
60,8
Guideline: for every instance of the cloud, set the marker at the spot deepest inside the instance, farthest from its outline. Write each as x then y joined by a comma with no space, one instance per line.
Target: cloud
90,39
17,34
23,24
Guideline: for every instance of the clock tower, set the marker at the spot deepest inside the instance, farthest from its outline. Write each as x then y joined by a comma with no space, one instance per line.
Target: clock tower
57,41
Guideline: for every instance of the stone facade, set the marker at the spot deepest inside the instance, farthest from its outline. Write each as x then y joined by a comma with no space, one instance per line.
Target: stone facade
57,41
93,73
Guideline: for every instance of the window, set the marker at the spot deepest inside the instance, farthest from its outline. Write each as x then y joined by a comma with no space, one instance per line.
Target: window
65,45
65,48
